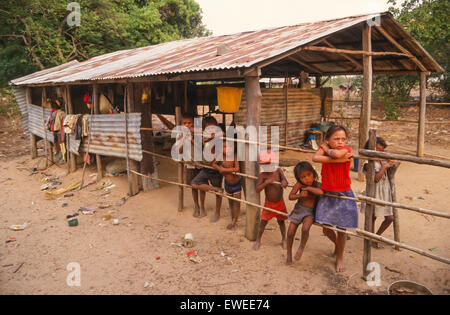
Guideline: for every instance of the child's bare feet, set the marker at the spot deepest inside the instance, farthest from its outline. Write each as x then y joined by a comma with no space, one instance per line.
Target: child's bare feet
231,226
288,260
256,246
376,245
299,253
340,265
202,213
196,212
214,218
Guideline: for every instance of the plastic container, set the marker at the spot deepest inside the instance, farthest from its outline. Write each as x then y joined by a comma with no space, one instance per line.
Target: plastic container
229,99
355,164
406,287
188,240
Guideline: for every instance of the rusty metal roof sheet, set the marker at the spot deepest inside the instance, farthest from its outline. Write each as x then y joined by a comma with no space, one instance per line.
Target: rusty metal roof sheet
193,55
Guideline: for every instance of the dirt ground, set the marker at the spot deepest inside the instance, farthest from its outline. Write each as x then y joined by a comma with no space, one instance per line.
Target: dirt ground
140,255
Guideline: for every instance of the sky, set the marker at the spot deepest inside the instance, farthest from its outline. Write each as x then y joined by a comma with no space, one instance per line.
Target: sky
235,16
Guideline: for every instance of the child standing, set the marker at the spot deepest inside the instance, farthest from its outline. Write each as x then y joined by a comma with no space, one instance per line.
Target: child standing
206,175
306,192
383,189
232,182
191,170
270,173
335,157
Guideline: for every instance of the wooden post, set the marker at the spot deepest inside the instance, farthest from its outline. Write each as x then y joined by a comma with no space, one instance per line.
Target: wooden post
134,165
33,141
254,100
422,118
367,93
96,104
370,191
147,163
391,176
180,165
72,157
47,144
318,78
286,83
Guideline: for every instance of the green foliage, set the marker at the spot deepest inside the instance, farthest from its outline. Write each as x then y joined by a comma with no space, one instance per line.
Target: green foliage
34,34
8,104
428,22
391,110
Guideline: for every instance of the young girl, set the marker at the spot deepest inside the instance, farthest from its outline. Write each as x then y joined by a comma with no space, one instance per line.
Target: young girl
382,189
335,157
306,191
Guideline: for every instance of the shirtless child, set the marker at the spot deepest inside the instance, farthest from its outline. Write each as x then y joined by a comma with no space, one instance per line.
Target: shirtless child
209,179
270,173
233,185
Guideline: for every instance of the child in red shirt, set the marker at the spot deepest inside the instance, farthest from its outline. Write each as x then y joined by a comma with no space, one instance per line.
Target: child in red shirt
335,157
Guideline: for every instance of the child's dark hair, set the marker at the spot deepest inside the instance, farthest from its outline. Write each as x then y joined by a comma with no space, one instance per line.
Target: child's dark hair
380,141
188,116
304,166
333,129
210,120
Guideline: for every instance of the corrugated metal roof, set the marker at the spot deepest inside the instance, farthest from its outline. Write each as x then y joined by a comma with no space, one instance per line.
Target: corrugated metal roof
193,55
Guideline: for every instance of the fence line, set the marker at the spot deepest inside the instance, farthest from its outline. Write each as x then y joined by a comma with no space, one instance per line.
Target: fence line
358,232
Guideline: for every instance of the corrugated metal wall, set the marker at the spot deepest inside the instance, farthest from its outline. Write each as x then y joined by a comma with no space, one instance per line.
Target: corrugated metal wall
108,136
21,99
36,123
303,110
108,133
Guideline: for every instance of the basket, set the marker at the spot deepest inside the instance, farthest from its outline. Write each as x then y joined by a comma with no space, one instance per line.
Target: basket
406,287
229,99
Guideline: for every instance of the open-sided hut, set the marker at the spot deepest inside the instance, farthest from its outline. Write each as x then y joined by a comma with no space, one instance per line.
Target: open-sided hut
365,44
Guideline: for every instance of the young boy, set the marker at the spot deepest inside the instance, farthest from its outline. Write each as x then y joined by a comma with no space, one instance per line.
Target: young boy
191,170
232,182
270,173
206,176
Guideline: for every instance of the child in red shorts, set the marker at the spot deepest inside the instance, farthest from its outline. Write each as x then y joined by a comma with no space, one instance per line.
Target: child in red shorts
271,173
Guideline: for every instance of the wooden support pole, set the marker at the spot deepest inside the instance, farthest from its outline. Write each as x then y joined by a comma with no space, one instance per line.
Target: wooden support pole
96,104
367,93
370,191
72,157
133,180
286,108
180,166
391,176
422,111
33,140
148,166
254,100
47,144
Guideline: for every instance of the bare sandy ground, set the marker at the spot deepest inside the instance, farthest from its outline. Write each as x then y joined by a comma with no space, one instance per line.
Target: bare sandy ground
139,256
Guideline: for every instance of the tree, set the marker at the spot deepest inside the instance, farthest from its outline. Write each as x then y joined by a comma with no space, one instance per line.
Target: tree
427,21
36,33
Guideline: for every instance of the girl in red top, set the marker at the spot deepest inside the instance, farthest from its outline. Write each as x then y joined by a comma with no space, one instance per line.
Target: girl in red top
335,157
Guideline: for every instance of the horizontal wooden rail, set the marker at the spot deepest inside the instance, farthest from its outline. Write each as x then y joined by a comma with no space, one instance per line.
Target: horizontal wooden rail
403,157
357,233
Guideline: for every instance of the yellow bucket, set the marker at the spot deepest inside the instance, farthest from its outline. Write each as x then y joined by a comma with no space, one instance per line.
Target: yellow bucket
229,99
